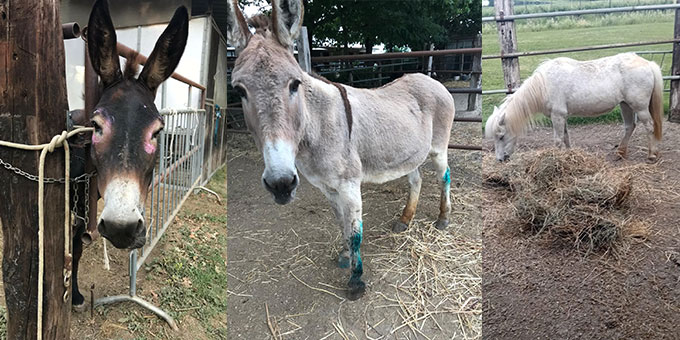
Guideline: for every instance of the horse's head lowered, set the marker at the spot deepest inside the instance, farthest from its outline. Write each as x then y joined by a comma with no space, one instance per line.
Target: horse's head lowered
127,123
271,85
504,139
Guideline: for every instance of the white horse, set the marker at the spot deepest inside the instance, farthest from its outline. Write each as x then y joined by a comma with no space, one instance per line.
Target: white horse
565,87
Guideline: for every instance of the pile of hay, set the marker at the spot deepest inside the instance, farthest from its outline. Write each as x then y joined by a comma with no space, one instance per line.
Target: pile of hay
571,195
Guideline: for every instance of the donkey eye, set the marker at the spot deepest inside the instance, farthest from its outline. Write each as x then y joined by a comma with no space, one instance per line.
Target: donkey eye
501,138
155,134
241,91
294,86
97,127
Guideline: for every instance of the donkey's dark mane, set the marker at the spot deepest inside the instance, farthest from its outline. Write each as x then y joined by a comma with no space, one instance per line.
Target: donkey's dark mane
131,66
343,94
261,22
129,72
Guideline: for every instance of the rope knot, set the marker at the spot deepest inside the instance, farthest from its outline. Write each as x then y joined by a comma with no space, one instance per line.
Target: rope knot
57,141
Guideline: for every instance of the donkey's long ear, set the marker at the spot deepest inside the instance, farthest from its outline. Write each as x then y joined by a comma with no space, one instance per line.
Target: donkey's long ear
101,43
167,52
237,28
287,20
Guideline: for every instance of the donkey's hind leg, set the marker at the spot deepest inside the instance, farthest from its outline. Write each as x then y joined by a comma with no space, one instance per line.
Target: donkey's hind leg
415,182
441,165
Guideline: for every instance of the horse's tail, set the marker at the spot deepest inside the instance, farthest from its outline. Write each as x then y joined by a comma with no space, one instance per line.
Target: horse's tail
656,101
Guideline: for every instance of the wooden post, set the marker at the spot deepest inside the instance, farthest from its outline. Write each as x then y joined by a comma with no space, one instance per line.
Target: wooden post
674,107
475,78
508,40
32,110
304,57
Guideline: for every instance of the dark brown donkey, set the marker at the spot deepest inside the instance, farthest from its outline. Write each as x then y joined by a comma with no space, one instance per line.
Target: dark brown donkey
124,146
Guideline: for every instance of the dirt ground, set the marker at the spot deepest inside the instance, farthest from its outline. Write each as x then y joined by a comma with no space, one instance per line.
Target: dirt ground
536,290
421,284
191,289
174,278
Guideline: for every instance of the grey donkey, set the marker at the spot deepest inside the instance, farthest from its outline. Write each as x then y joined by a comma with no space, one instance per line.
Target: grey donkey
336,136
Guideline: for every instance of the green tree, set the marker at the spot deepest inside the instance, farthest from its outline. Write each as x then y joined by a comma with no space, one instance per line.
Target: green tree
395,23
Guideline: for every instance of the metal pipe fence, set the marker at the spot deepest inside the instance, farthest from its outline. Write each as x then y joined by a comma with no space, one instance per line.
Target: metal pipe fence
578,49
178,172
581,12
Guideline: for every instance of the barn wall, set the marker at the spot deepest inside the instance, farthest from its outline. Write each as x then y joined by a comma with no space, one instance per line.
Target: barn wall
173,94
125,13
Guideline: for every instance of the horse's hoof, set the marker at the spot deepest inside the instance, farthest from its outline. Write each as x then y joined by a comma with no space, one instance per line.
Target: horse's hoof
442,224
399,227
356,290
79,308
343,261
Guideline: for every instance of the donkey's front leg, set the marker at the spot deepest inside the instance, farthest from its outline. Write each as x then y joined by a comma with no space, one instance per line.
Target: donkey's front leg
77,301
334,198
348,205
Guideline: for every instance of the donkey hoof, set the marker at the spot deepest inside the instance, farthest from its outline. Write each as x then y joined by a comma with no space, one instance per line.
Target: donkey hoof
356,290
399,227
343,261
79,308
653,158
442,224
621,154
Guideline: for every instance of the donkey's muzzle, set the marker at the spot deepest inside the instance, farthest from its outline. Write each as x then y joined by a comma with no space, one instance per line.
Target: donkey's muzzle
283,188
123,234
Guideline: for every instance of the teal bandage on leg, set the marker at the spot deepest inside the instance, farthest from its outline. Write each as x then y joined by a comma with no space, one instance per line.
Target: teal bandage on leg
355,244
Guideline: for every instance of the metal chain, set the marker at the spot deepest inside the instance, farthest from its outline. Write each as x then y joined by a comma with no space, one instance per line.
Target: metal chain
76,198
47,180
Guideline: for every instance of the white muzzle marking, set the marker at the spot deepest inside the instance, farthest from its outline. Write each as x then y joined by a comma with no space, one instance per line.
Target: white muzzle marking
122,202
279,159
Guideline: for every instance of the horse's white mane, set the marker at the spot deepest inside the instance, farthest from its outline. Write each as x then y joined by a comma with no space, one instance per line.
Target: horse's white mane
518,110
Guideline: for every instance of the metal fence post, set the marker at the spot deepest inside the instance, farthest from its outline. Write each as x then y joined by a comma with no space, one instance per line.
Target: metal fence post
475,78
304,57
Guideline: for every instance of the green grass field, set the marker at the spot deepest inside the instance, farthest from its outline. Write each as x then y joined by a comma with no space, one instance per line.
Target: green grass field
574,37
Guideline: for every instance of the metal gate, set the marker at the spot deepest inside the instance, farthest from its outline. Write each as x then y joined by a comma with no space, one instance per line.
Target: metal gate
177,173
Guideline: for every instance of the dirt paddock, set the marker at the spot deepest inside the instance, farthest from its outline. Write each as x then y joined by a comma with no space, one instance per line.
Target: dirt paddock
534,289
421,284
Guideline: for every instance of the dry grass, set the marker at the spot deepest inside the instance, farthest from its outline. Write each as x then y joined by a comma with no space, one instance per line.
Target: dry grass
574,197
438,273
